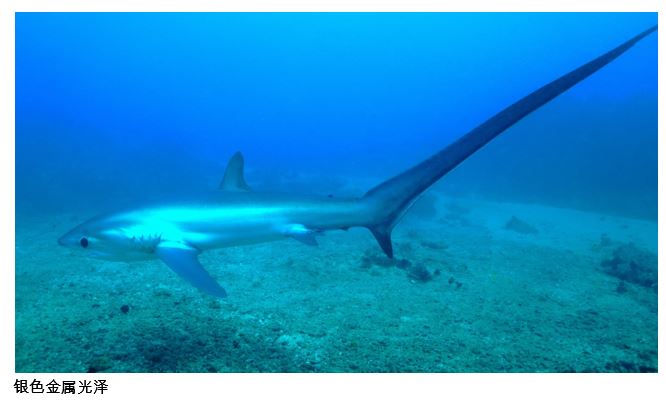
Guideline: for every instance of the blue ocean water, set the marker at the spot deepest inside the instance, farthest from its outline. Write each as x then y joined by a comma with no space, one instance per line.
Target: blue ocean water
119,109
133,105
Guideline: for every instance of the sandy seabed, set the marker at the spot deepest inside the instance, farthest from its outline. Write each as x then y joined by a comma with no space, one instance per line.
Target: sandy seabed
464,294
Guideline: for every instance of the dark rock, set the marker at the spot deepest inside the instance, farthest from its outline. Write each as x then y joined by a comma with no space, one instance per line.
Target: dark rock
419,273
632,264
520,226
453,281
99,364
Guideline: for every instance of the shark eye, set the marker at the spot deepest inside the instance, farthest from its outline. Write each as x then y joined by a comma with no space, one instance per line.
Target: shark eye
83,242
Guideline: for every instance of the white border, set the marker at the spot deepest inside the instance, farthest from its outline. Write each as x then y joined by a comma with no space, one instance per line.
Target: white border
338,388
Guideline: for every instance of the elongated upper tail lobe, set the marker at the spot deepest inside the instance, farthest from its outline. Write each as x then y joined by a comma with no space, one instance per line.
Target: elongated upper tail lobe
387,201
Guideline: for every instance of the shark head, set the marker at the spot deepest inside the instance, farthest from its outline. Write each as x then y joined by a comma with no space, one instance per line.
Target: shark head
105,238
142,235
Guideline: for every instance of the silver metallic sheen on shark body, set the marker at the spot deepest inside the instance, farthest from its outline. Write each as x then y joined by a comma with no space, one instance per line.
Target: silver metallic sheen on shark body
178,234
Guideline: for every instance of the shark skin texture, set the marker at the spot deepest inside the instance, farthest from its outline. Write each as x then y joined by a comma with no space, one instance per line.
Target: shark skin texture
177,234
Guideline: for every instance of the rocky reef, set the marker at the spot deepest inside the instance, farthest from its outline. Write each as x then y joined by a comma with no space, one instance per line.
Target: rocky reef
632,264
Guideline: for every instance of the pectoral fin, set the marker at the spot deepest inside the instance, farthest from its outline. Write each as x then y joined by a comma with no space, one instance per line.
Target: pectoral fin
182,259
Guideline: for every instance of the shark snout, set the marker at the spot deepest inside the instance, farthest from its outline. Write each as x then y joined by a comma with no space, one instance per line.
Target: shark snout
70,239
66,240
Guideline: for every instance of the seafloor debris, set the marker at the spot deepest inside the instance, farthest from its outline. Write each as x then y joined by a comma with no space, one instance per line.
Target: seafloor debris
453,281
369,259
419,273
415,272
632,264
520,226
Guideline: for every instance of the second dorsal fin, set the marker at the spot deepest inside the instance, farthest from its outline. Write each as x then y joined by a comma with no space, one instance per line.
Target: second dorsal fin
234,179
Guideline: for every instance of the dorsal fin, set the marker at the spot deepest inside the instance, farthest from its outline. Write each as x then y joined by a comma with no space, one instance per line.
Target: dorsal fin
234,180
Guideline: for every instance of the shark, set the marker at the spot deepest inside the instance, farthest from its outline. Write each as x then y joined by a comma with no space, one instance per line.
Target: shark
178,234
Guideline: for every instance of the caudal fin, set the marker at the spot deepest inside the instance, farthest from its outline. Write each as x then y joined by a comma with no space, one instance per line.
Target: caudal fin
388,201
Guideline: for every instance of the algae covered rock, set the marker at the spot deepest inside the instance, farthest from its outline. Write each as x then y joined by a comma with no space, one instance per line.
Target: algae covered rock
632,264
